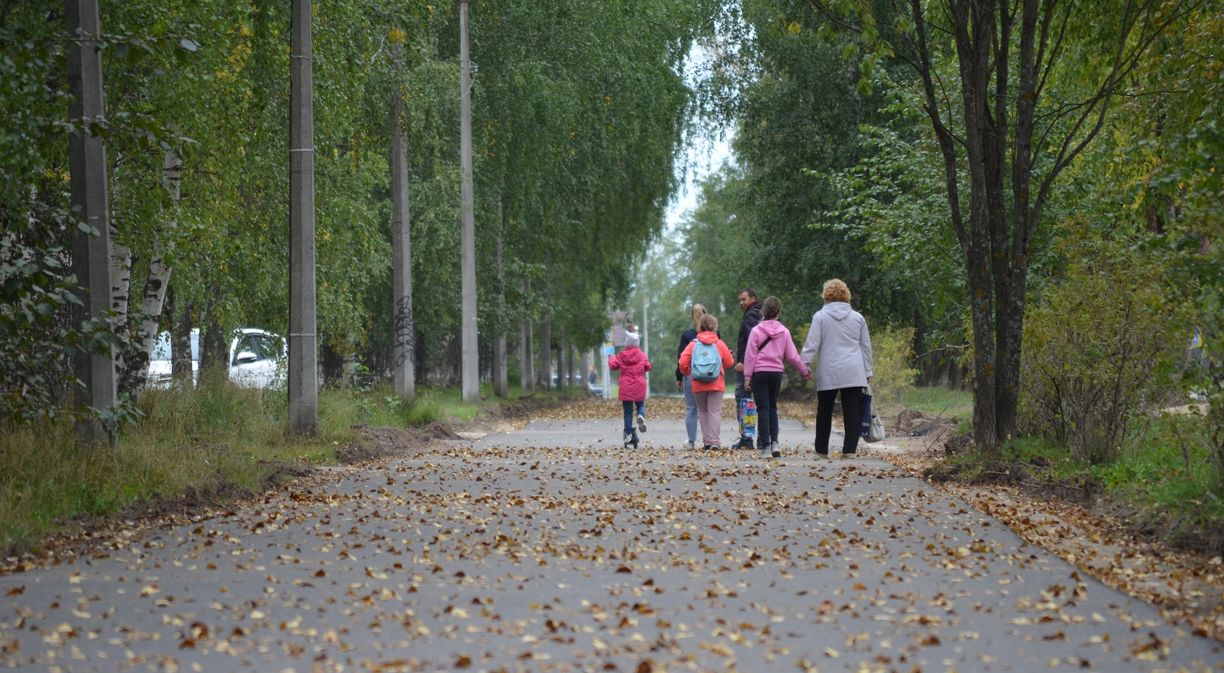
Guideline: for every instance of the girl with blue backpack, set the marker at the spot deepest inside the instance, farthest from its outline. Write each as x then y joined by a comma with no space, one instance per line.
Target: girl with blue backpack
705,361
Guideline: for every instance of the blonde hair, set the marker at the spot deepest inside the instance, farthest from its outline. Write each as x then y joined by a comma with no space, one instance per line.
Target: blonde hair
698,311
836,290
709,323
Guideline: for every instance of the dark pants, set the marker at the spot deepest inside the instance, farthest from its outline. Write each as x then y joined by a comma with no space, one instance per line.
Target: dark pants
852,415
629,415
765,389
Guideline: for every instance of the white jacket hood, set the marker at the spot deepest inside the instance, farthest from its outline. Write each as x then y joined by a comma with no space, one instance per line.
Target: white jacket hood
838,310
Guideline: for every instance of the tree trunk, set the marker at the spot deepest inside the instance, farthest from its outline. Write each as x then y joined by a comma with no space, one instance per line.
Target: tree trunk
91,250
526,348
303,340
120,283
153,299
501,384
471,363
403,364
180,348
546,353
214,350
120,293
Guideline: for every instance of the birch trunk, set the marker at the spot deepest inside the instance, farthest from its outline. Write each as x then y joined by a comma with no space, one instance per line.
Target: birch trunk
120,281
526,349
120,274
500,382
153,300
546,353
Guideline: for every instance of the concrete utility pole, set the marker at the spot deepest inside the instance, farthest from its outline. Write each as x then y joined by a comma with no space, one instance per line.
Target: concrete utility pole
404,366
471,354
303,342
646,339
90,250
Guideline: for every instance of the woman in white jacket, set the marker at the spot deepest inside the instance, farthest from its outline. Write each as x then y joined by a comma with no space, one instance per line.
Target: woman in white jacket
839,341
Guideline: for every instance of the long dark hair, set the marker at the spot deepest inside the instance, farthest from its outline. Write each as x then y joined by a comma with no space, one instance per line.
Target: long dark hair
772,308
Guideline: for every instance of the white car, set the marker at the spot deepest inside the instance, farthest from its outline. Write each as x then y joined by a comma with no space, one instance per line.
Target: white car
256,359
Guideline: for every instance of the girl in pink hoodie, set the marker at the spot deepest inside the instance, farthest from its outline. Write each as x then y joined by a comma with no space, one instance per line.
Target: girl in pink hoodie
769,348
633,365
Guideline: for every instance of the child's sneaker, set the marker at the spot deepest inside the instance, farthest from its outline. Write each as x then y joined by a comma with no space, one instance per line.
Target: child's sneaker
775,451
641,423
630,438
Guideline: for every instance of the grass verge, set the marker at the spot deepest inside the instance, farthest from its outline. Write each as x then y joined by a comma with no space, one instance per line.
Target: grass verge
1163,483
211,444
939,402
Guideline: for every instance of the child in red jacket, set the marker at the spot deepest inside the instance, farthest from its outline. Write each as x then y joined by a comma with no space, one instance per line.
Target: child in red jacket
633,365
709,381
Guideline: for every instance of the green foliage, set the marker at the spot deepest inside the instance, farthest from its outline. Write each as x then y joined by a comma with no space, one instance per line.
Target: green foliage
579,112
1101,347
892,364
892,199
37,289
798,123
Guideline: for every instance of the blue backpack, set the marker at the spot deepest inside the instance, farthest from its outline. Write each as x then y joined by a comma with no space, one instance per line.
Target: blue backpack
707,363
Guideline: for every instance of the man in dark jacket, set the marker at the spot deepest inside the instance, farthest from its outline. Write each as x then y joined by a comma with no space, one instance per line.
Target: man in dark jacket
751,306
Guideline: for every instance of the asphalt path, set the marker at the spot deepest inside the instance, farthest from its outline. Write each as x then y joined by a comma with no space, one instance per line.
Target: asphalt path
553,548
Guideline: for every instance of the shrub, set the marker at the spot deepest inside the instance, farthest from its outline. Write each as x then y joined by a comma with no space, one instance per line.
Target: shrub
1099,348
892,362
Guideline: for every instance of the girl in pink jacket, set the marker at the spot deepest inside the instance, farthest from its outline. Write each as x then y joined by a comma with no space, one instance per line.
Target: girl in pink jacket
633,365
769,348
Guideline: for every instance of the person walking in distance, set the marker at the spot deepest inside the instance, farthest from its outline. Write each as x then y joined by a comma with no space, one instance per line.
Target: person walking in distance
705,361
685,383
770,347
633,365
839,341
751,306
